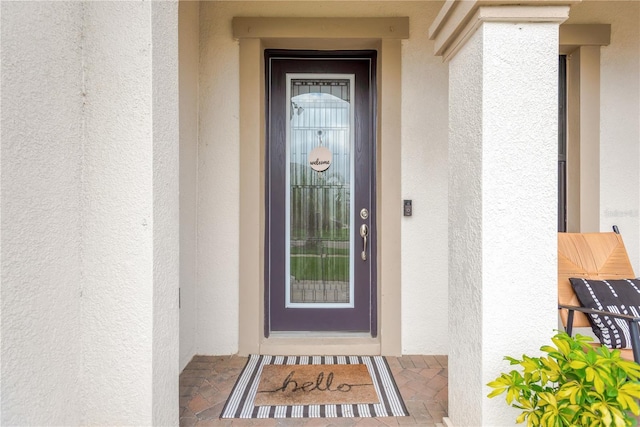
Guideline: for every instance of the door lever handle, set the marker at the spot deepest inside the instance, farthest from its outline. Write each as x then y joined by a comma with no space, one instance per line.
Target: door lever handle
364,232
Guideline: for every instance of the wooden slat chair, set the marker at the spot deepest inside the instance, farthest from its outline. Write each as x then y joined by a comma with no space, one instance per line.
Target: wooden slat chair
599,256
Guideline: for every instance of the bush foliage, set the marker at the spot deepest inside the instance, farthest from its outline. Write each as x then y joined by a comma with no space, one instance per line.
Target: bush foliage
575,384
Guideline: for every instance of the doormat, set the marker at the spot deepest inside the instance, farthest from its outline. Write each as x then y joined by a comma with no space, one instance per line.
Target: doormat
315,384
314,387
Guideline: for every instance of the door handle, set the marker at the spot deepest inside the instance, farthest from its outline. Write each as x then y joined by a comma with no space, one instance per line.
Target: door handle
364,232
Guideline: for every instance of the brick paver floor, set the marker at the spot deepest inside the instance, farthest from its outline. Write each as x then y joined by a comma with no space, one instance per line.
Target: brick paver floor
206,382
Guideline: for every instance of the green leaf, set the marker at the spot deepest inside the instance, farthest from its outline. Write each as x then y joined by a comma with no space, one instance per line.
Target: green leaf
631,369
497,392
631,388
598,384
512,394
577,364
569,391
562,345
628,396
582,339
533,420
605,414
548,399
575,384
502,381
512,360
619,420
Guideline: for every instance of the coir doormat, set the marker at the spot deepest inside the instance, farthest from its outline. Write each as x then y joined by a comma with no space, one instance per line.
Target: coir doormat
313,387
315,384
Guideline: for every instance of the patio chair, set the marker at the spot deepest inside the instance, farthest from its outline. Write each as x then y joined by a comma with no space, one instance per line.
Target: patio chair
590,257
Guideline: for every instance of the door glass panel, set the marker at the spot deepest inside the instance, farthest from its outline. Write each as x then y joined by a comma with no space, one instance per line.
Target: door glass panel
319,212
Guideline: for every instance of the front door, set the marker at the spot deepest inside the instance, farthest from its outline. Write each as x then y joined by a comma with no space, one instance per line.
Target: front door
320,214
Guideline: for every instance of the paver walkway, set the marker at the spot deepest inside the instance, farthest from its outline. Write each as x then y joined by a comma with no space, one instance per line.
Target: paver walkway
207,381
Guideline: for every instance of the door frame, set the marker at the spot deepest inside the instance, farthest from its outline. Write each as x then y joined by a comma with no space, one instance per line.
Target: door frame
383,35
362,63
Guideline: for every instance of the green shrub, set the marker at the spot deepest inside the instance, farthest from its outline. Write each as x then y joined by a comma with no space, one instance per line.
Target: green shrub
574,385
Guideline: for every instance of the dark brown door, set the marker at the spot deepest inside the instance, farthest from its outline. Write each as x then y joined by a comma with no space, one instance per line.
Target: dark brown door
321,234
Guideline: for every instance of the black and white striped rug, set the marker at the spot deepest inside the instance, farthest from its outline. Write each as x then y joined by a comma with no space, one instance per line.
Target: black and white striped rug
240,403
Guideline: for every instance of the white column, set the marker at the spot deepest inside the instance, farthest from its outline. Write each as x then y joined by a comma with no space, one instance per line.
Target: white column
41,122
502,200
130,214
89,221
166,213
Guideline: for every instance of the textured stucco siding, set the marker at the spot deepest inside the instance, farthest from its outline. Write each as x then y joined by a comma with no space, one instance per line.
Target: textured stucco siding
118,225
620,126
41,157
424,148
465,226
503,193
218,199
520,196
189,40
89,213
164,140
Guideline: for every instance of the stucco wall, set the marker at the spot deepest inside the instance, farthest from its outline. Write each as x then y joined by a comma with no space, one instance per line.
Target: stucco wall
89,213
118,231
620,125
130,224
465,219
218,165
620,118
189,39
519,227
423,145
164,143
503,86
41,158
424,180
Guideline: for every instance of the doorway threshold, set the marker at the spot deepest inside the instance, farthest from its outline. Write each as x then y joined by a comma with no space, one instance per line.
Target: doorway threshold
320,343
319,334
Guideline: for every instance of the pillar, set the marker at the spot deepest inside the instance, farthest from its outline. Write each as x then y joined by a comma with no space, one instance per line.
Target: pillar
89,189
40,159
584,140
503,74
130,215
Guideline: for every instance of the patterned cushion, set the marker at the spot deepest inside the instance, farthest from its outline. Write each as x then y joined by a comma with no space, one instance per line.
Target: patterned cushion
616,296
